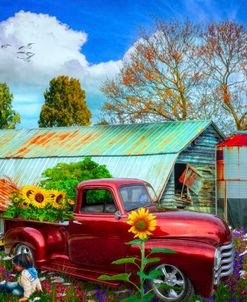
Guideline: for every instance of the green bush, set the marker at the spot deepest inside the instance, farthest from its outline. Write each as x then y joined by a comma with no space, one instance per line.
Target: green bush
65,177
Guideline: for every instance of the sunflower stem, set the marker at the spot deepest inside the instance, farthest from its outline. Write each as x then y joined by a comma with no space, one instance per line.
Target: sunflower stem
142,269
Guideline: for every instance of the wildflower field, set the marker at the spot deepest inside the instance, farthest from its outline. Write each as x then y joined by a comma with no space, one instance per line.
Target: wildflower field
61,288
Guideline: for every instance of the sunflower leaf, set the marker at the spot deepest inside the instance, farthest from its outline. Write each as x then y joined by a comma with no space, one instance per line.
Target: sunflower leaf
151,260
124,260
136,241
162,250
151,275
120,277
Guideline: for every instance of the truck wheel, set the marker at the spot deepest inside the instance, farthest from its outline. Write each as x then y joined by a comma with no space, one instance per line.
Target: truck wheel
172,285
21,249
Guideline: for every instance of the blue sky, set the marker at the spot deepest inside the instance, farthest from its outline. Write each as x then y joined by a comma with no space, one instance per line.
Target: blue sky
84,39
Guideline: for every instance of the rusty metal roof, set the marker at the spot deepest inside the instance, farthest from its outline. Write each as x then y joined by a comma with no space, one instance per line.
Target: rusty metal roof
110,140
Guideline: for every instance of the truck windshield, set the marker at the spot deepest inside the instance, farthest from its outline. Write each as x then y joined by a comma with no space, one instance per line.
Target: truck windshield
135,196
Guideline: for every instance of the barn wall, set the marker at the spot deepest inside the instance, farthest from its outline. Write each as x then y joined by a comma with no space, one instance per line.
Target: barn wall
167,198
201,153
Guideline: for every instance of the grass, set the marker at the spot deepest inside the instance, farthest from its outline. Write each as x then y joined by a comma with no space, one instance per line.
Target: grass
57,287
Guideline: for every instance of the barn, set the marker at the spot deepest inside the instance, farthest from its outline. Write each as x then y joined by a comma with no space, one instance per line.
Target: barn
177,158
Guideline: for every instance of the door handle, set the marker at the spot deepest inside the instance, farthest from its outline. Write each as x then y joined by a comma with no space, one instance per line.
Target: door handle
76,222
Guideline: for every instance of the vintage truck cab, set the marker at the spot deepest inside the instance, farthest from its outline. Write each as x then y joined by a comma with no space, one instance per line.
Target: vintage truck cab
86,245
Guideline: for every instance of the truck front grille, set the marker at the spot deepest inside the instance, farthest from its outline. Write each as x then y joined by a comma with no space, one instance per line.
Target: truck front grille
226,265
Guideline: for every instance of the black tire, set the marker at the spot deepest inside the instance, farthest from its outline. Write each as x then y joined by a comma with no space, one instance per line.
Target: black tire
172,285
22,248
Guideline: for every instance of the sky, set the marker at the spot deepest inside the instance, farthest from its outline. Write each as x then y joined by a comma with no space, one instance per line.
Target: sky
85,39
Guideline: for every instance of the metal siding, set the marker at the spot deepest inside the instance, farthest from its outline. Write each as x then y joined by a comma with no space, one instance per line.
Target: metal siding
232,178
231,162
110,140
243,163
236,189
202,151
167,198
154,168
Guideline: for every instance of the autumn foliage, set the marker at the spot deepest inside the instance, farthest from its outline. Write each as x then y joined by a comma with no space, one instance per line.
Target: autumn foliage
180,72
224,54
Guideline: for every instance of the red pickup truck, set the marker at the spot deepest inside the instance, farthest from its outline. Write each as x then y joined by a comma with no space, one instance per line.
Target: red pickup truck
86,245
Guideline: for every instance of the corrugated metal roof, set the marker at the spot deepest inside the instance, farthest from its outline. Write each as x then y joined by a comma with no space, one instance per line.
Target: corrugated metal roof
110,140
155,169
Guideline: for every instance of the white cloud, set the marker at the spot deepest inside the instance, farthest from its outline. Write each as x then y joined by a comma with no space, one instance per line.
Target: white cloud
57,50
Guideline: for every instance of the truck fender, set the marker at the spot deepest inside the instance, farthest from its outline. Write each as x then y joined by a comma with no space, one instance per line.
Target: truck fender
31,237
195,259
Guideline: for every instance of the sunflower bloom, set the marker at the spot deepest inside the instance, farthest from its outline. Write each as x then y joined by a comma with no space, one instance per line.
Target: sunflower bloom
59,199
26,191
142,223
71,202
39,197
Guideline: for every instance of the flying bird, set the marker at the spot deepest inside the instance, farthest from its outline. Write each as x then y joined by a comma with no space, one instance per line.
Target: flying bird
23,52
27,46
5,45
30,56
30,44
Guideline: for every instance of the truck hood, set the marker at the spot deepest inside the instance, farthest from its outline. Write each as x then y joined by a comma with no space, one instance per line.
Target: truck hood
191,225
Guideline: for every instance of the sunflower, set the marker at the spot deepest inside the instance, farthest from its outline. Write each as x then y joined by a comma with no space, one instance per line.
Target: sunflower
39,197
52,194
58,199
71,202
26,191
142,223
24,205
16,197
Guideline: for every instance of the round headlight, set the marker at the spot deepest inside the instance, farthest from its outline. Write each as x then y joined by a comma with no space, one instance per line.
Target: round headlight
217,259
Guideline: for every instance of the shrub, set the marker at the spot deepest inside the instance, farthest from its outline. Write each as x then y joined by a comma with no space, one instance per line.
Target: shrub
65,177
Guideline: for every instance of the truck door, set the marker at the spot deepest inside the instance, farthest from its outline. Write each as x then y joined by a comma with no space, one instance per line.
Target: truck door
96,236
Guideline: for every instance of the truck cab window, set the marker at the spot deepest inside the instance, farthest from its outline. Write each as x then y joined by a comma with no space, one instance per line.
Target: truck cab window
135,196
97,201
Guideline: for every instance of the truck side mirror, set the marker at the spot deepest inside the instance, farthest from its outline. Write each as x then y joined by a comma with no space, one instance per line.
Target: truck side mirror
117,215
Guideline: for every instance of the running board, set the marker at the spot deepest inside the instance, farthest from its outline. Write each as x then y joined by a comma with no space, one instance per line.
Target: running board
88,274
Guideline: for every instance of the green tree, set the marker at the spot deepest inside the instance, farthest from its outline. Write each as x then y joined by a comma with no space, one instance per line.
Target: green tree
8,117
65,177
65,104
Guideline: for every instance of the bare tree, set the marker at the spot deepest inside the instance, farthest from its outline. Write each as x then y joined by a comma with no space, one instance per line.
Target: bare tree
159,78
179,73
224,55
